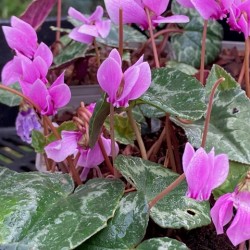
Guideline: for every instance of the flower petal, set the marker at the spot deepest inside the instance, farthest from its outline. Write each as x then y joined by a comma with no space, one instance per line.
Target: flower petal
103,27
116,56
222,212
80,37
239,230
97,14
45,53
158,7
172,19
186,3
72,12
187,155
109,76
88,29
132,12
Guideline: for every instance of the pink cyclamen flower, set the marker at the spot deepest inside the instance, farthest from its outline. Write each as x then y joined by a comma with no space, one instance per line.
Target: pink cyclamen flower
91,27
222,213
123,87
239,17
70,144
134,12
27,70
52,98
204,171
27,121
209,9
21,37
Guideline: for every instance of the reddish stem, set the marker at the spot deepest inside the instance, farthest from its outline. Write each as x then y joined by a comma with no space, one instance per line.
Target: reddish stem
58,20
121,32
203,51
157,64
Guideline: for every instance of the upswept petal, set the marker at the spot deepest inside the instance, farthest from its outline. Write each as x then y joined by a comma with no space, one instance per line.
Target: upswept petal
72,12
97,14
132,12
88,29
59,150
41,68
142,83
187,155
186,3
239,230
158,7
103,27
19,41
38,93
80,37
12,71
222,212
172,19
197,173
130,77
139,61
109,76
220,170
60,95
59,80
116,56
45,53
208,9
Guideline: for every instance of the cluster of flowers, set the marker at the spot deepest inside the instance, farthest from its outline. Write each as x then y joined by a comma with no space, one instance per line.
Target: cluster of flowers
237,11
204,171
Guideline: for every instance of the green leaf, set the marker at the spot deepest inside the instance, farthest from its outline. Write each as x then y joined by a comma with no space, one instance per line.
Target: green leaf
124,132
162,243
132,38
175,210
176,93
68,126
236,173
101,111
70,52
8,98
126,229
230,120
187,45
38,141
43,211
183,67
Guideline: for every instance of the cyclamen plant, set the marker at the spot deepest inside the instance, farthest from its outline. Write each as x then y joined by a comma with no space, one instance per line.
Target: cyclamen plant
96,192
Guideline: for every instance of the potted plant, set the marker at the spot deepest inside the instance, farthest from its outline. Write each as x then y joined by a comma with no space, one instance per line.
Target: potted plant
104,186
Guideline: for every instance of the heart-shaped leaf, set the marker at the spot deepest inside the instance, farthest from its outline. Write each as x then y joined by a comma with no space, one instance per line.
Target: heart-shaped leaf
187,45
230,120
42,211
175,210
176,93
162,243
126,229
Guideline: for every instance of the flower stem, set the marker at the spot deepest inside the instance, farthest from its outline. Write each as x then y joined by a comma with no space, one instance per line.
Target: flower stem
242,246
182,176
58,20
247,82
121,32
112,136
167,190
209,109
157,64
105,156
98,60
169,143
203,51
137,134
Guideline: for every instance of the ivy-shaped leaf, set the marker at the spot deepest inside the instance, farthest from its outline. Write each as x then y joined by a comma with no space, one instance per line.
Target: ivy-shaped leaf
43,211
230,120
126,229
176,93
38,141
187,45
175,210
